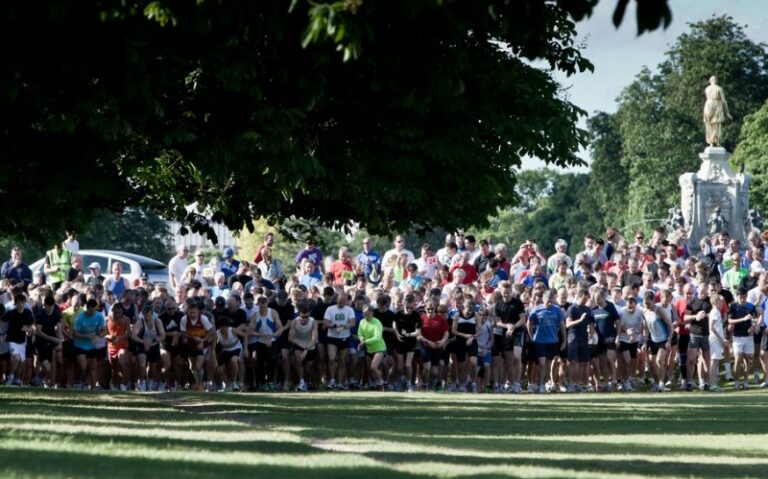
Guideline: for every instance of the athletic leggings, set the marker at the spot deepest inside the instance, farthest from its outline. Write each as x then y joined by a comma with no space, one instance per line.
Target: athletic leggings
265,363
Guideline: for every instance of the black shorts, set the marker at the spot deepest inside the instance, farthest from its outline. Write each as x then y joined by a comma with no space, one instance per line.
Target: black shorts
463,351
44,350
595,350
310,352
516,341
153,353
340,343
578,350
225,357
498,345
192,350
282,343
452,346
631,347
699,342
429,355
172,350
546,350
408,345
134,347
682,343
5,356
68,351
674,339
529,352
90,353
29,352
608,344
653,347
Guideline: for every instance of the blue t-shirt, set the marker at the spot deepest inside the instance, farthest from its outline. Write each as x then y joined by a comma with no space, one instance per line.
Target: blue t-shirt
546,322
85,324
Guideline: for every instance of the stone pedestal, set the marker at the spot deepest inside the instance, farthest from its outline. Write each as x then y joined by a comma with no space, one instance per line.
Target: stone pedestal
715,185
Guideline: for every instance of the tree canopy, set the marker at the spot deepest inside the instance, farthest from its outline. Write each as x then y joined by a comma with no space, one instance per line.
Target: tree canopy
655,135
389,114
752,155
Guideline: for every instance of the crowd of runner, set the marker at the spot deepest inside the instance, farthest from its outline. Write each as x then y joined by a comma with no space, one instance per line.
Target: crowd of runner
619,315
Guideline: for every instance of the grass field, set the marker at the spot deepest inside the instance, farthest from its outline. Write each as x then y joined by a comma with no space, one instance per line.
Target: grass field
368,435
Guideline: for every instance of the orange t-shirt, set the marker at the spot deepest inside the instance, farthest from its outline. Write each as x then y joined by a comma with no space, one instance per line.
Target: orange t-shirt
117,328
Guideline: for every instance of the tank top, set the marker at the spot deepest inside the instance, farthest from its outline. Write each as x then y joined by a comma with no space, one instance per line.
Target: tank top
149,333
466,325
116,286
264,324
302,333
117,328
229,342
196,329
718,323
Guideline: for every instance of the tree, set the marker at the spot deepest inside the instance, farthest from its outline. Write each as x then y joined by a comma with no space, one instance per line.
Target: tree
248,109
752,155
608,176
660,115
133,231
558,211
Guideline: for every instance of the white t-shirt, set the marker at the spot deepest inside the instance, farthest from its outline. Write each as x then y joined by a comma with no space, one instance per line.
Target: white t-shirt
176,267
394,253
73,246
339,317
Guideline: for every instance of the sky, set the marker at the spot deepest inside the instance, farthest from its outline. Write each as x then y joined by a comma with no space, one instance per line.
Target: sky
619,54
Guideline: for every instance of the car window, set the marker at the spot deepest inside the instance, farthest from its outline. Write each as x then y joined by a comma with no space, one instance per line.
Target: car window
126,266
89,258
152,267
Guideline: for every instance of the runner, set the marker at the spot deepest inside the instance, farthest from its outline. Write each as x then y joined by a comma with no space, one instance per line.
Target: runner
118,332
606,318
266,327
371,340
630,329
544,324
697,317
407,326
433,337
88,328
148,333
171,350
339,319
578,322
511,319
658,324
717,341
743,318
303,339
48,339
465,328
198,334
20,324
228,353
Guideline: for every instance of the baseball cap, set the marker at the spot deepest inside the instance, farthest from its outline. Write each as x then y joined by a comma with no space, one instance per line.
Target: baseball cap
229,252
94,265
756,267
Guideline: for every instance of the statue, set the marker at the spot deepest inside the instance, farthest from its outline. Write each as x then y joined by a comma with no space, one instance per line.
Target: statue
715,112
754,221
716,222
675,220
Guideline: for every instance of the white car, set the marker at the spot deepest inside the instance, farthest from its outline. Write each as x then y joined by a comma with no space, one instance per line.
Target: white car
133,265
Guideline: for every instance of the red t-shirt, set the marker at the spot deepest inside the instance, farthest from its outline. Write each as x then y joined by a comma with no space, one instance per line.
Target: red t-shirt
338,268
433,327
470,276
681,306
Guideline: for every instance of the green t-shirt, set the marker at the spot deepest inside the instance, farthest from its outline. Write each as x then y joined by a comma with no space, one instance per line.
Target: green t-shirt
370,332
732,278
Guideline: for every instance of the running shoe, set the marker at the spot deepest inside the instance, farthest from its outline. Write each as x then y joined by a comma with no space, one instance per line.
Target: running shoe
302,386
473,387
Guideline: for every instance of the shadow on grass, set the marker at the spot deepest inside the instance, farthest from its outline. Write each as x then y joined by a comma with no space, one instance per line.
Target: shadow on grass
28,463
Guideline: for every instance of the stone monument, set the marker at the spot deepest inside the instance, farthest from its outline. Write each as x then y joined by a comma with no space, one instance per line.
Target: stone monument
715,199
